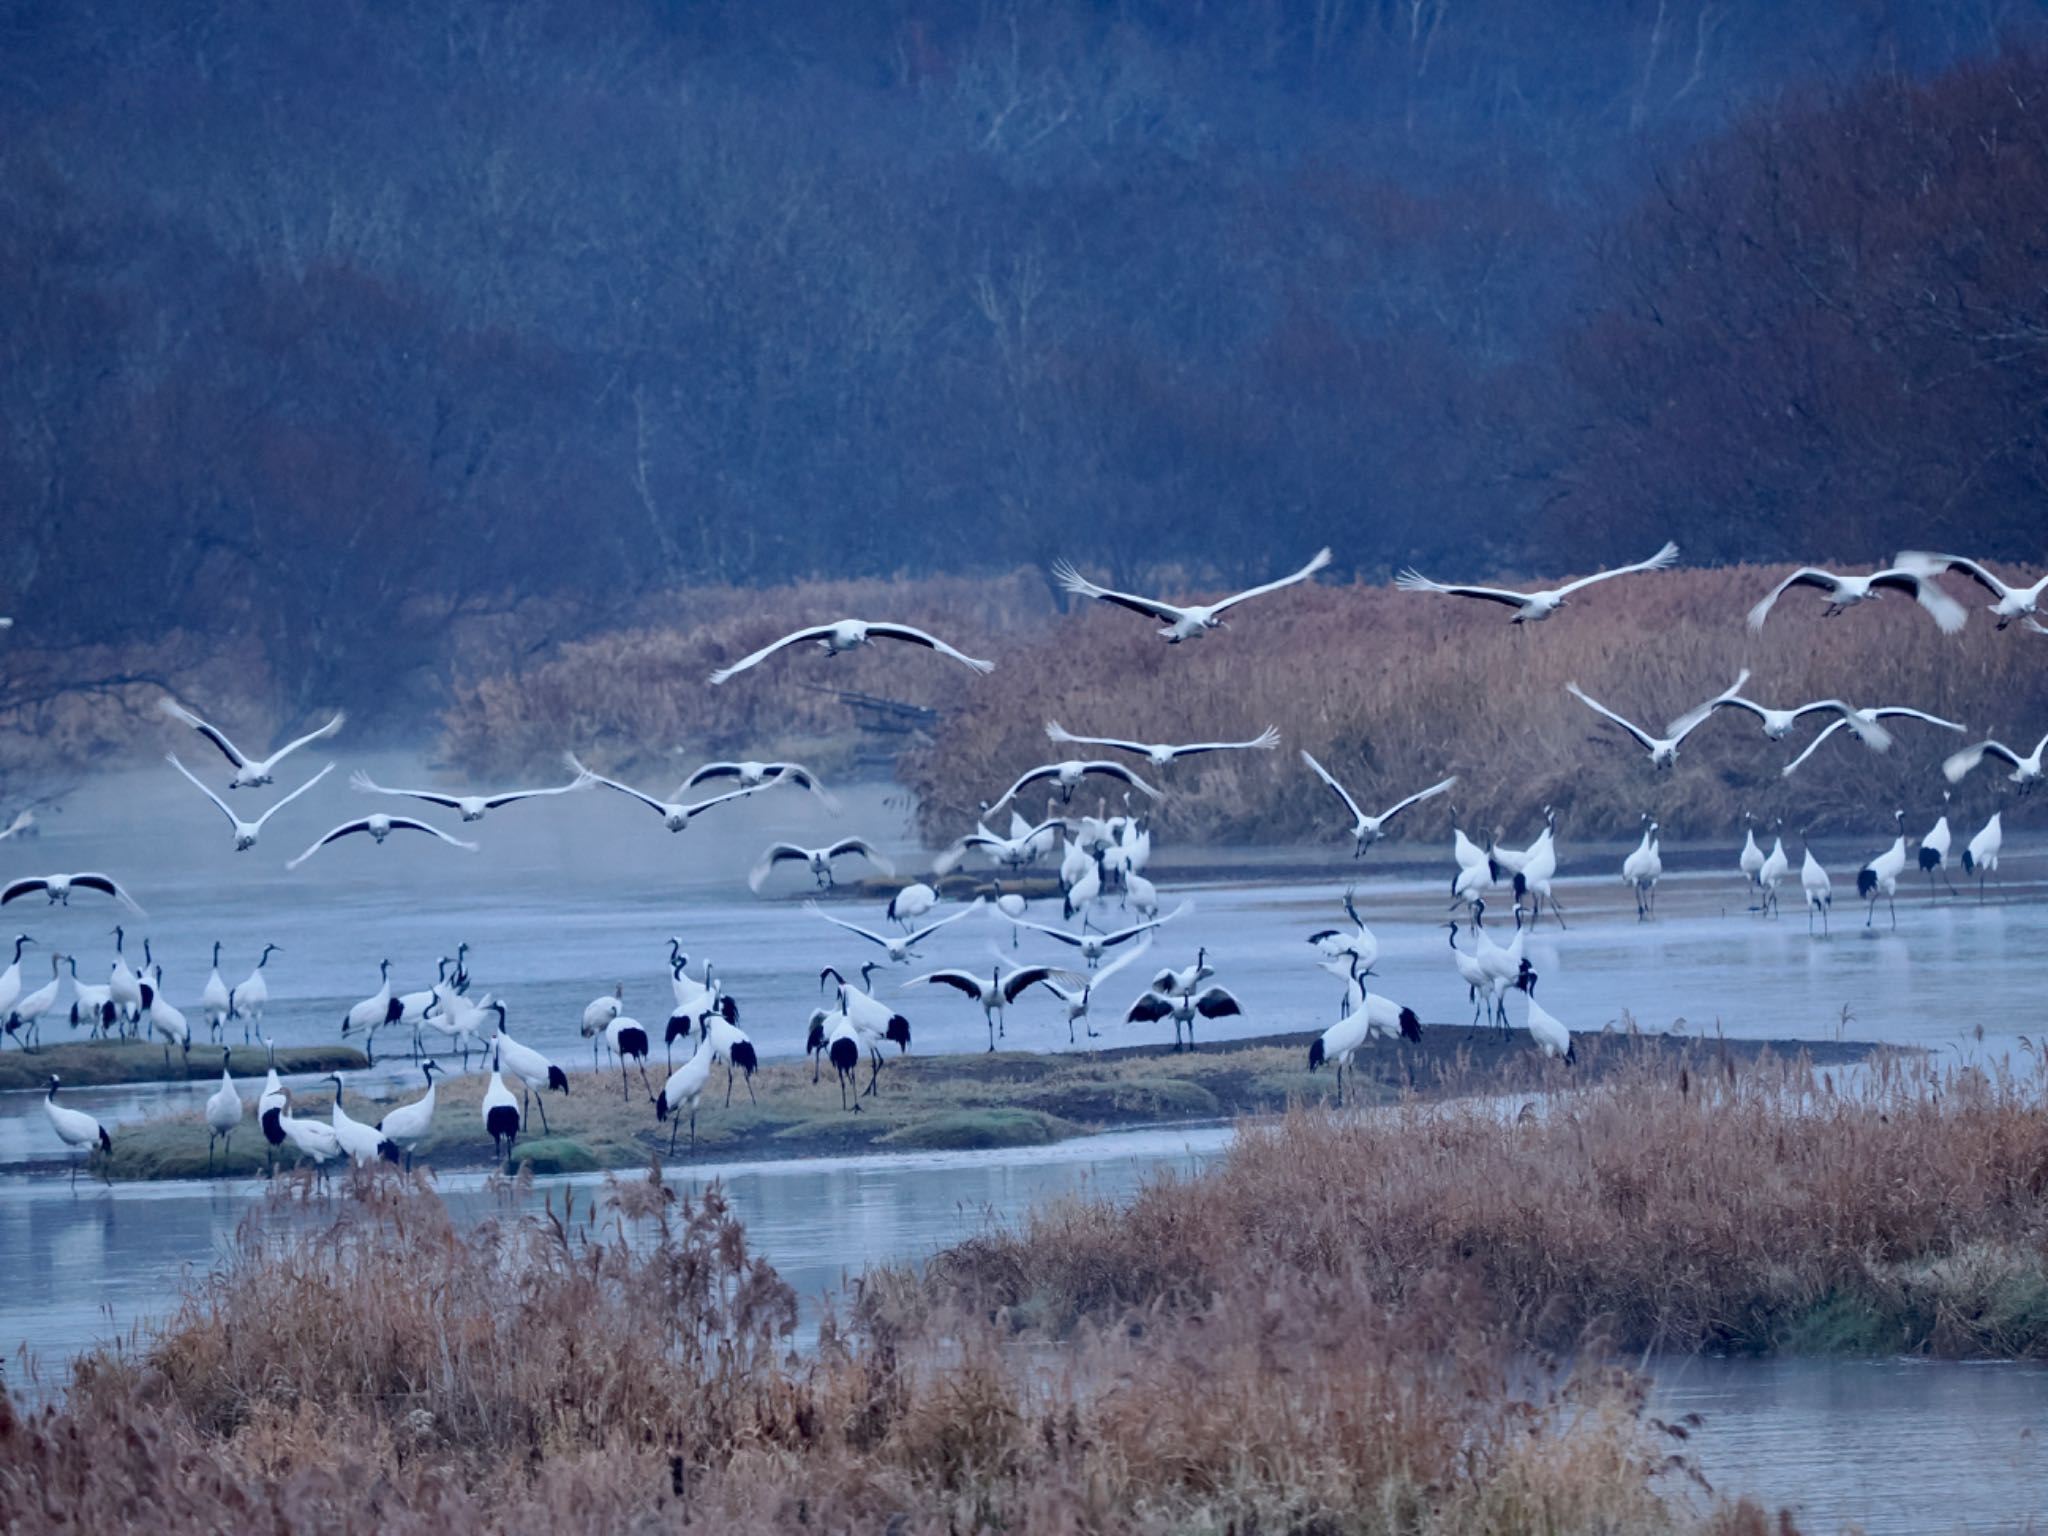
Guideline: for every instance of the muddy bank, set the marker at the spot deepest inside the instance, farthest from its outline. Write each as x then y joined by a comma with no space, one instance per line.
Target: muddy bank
959,1101
101,1062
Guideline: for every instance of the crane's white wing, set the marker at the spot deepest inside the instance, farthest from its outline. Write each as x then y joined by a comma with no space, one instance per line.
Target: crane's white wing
107,885
1949,615
1061,934
1048,825
1900,711
815,632
795,773
582,781
803,778
868,934
363,784
949,861
179,712
1417,798
1679,728
1869,732
1412,580
920,935
697,808
712,771
1813,746
1054,733
1805,576
362,824
407,824
1960,765
1657,562
1043,771
1265,741
1018,982
1148,1008
962,981
919,637
288,799
1336,789
1129,957
1649,742
1119,771
778,853
1921,563
860,845
233,819
1111,940
1081,586
625,789
321,734
1321,559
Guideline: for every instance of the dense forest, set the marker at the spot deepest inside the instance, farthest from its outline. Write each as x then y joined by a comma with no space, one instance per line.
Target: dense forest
339,336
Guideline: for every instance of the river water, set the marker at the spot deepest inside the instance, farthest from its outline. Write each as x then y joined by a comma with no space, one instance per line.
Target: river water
571,895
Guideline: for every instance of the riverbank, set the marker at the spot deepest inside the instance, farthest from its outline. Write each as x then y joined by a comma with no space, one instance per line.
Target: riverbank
961,1102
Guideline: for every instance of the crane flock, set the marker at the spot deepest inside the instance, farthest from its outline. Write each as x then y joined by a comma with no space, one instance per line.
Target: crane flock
1101,858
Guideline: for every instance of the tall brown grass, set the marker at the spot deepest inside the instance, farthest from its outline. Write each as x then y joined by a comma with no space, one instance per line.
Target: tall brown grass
1393,690
630,695
1676,1207
631,1369
1390,690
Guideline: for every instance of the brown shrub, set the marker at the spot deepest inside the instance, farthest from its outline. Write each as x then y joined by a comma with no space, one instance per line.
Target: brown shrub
637,692
389,1372
1751,1209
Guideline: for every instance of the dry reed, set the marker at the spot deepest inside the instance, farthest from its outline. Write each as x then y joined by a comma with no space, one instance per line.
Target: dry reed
1700,1207
1392,691
390,1372
637,692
